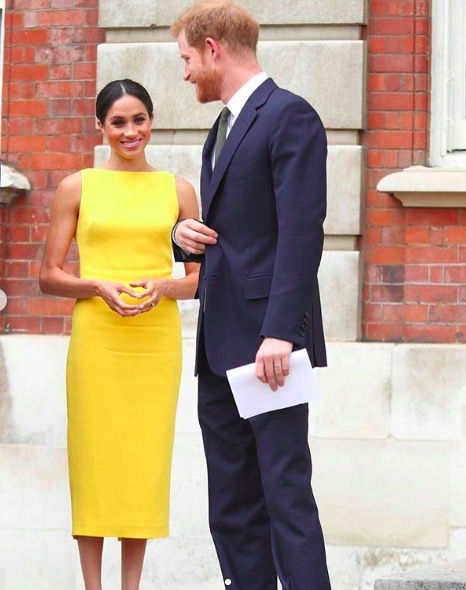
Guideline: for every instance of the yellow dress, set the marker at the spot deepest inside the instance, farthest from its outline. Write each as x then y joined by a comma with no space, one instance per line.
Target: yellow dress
123,373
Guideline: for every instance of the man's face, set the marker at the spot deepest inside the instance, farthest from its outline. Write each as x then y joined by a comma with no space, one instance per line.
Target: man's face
200,71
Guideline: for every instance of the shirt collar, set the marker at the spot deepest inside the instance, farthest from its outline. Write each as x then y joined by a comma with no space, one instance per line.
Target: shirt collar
241,96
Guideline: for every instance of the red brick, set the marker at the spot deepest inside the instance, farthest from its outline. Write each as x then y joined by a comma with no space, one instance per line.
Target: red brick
58,143
16,305
420,101
61,36
29,72
384,217
59,89
21,91
450,314
58,126
92,18
383,332
429,255
431,217
455,235
62,18
61,72
62,161
373,312
391,159
417,235
29,37
39,233
24,251
416,313
17,270
23,288
405,158
85,71
20,143
430,333
391,26
26,324
50,306
377,44
376,120
455,274
401,101
430,294
84,106
18,233
38,181
437,274
386,255
392,63
32,4
88,35
393,313
35,108
393,139
387,293
375,158
53,325
84,143
28,215
60,107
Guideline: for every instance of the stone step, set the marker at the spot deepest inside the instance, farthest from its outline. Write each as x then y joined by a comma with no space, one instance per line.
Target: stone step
451,576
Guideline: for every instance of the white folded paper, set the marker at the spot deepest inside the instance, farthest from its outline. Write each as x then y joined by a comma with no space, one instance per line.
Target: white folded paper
253,397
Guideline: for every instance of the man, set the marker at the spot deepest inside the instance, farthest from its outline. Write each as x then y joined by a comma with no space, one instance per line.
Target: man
263,201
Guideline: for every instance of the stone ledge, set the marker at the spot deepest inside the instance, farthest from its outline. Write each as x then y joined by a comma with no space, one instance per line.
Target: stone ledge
451,576
13,184
419,186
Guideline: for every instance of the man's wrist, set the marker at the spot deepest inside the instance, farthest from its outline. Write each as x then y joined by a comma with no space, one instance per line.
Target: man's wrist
174,232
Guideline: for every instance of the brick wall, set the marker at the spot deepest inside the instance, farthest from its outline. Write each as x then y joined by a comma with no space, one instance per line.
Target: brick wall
48,131
415,259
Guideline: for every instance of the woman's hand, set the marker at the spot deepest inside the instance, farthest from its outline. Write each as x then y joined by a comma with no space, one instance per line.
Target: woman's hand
155,289
111,294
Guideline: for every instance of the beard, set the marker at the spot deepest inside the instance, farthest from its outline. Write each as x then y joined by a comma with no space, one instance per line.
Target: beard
208,85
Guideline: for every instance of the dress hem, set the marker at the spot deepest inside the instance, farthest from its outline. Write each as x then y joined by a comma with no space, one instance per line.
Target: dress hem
120,532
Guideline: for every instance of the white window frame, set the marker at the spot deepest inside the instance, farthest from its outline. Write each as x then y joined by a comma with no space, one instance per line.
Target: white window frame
448,92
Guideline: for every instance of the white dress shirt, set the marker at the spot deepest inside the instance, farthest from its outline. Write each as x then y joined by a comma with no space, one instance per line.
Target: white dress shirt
239,99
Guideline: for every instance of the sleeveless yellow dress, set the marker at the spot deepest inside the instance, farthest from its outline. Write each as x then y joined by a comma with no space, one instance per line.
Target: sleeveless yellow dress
123,373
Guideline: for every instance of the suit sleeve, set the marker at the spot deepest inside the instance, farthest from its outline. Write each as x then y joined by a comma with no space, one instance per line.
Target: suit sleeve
181,255
298,152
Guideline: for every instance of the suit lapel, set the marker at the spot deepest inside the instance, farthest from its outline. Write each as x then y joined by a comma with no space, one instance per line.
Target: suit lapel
236,135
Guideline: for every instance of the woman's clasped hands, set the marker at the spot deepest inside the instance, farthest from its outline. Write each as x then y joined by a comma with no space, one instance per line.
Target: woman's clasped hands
149,295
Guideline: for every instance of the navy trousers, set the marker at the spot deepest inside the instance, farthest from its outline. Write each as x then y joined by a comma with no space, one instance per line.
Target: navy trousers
262,513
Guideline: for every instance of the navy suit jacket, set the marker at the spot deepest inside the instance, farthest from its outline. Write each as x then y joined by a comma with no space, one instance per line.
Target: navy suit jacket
266,199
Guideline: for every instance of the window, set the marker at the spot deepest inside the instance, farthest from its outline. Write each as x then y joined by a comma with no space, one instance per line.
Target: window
448,130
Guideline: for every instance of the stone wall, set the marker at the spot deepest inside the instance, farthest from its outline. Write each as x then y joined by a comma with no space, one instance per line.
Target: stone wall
389,450
313,49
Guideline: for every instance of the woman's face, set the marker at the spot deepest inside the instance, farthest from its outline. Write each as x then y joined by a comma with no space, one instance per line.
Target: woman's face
127,127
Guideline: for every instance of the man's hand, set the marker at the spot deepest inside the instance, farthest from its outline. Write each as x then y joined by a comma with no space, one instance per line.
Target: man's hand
273,362
192,236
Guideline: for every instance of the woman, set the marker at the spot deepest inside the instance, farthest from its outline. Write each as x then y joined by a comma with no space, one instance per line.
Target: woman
124,358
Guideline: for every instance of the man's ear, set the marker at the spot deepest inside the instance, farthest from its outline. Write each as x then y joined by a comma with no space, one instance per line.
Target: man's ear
212,47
